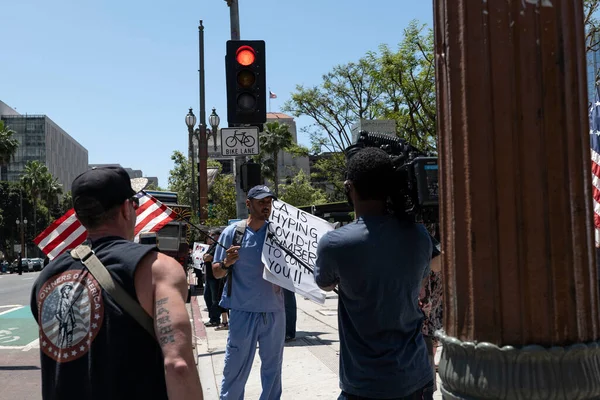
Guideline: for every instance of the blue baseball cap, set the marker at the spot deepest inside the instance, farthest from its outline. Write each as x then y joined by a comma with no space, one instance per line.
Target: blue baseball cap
260,192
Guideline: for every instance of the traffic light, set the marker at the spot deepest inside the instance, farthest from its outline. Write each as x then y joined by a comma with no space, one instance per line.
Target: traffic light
246,82
251,177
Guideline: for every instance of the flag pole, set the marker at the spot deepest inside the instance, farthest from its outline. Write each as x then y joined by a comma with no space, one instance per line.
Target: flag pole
269,99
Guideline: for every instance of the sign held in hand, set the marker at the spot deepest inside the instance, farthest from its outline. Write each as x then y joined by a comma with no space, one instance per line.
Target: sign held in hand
298,233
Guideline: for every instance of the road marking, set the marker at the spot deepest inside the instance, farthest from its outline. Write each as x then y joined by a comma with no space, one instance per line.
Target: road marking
26,279
11,305
33,345
14,308
7,336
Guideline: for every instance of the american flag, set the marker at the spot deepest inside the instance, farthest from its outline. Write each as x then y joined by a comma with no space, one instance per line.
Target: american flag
272,95
595,145
67,232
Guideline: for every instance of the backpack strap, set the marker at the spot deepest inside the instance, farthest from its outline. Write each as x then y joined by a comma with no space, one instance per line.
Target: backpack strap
238,237
86,255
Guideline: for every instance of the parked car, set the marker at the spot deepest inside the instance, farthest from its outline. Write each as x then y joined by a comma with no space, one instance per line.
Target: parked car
36,264
24,266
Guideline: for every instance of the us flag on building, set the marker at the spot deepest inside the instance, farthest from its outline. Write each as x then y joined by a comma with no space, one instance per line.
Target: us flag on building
595,145
67,232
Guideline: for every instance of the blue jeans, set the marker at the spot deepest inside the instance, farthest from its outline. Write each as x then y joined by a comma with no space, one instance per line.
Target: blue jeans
290,313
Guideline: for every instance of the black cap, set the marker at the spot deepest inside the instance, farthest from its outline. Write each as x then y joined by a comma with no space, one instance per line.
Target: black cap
100,189
260,192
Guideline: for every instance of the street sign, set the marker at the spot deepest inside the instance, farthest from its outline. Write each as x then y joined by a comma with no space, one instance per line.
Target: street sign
241,141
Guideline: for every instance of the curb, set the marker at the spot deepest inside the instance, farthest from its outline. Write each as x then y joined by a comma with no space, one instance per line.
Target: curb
203,359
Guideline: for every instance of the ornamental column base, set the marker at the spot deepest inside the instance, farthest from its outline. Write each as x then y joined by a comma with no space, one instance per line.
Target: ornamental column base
472,371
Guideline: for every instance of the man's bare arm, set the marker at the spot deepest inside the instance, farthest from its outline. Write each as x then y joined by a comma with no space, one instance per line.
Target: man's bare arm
167,287
436,264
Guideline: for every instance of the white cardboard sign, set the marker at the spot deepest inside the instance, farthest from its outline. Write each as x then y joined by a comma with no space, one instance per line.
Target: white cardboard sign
293,235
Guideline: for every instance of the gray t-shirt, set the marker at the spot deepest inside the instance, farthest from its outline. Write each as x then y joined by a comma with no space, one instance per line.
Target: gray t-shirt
379,264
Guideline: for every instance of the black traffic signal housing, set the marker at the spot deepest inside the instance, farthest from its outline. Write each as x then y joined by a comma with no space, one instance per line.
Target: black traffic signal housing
245,65
251,176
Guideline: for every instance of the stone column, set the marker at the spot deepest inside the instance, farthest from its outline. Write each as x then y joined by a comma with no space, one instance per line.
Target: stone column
521,291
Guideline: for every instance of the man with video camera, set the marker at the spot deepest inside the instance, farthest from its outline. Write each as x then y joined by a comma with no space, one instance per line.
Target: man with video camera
378,264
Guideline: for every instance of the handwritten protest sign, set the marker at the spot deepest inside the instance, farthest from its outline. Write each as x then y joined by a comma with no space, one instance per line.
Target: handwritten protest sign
197,254
293,235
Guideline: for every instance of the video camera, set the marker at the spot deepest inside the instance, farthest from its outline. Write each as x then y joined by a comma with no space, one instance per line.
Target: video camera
416,171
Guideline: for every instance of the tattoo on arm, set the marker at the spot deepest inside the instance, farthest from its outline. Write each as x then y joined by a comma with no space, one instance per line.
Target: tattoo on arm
163,322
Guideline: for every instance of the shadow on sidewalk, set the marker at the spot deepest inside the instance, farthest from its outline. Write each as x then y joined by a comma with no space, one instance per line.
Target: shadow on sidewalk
304,338
19,368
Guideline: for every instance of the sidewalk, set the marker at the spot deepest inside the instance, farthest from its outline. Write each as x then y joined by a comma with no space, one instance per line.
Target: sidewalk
310,363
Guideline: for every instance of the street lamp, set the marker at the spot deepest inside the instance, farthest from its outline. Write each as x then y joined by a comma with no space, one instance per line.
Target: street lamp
22,227
190,121
214,120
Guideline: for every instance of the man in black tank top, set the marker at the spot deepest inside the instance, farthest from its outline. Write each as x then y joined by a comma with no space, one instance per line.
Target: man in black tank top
90,347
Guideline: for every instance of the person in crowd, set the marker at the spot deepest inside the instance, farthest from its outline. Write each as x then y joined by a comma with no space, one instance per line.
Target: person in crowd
91,348
211,288
378,264
256,306
291,311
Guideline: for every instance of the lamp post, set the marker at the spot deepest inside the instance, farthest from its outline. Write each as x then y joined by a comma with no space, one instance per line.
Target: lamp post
190,121
214,120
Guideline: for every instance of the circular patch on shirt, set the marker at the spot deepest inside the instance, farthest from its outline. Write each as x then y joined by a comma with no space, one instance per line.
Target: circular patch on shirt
71,311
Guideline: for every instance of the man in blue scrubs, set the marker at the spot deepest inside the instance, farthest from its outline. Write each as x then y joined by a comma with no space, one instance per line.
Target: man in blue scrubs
256,306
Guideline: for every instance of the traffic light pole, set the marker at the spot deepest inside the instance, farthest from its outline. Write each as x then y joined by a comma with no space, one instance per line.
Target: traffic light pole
240,197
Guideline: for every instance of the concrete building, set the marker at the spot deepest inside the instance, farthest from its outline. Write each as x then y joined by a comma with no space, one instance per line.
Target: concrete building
43,140
288,165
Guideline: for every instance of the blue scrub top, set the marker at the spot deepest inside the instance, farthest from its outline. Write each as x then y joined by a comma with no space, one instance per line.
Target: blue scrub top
249,291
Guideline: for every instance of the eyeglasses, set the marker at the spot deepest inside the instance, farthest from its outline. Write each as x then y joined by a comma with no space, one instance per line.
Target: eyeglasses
135,201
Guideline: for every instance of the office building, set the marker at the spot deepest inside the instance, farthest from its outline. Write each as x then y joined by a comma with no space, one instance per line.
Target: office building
43,140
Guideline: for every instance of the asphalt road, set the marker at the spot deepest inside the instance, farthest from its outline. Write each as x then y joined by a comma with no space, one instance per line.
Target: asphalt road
19,348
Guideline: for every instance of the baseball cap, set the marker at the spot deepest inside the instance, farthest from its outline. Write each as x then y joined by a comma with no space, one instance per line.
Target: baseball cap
260,192
100,189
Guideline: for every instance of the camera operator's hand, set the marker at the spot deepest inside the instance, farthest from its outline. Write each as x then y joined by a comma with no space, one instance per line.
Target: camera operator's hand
207,258
232,256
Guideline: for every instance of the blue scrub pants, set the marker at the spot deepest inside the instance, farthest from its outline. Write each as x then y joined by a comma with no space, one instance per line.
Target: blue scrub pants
245,330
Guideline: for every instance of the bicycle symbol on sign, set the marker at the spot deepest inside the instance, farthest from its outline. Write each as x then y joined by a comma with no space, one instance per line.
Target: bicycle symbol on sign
6,336
240,138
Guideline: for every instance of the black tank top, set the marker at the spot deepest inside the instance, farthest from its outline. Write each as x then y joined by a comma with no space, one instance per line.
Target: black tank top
90,347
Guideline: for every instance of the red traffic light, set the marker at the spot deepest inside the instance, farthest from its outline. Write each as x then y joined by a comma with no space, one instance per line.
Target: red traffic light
245,55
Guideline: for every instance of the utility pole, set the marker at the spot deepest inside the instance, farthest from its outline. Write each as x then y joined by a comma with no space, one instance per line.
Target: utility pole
240,197
202,140
521,318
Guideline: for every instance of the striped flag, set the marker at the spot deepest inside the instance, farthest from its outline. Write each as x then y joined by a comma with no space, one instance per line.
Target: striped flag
67,232
595,147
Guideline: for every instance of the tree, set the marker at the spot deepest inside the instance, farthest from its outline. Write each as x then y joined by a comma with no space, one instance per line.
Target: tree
180,178
388,84
329,174
8,148
35,181
276,137
51,191
301,193
592,26
221,198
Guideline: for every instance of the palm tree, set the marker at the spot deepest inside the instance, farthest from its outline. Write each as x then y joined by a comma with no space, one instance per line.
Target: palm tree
8,148
52,190
35,182
275,138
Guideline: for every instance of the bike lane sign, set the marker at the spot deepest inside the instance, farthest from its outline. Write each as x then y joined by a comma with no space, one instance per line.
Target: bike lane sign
241,141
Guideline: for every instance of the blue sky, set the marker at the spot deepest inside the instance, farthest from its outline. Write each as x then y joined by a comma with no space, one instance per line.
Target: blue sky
119,76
